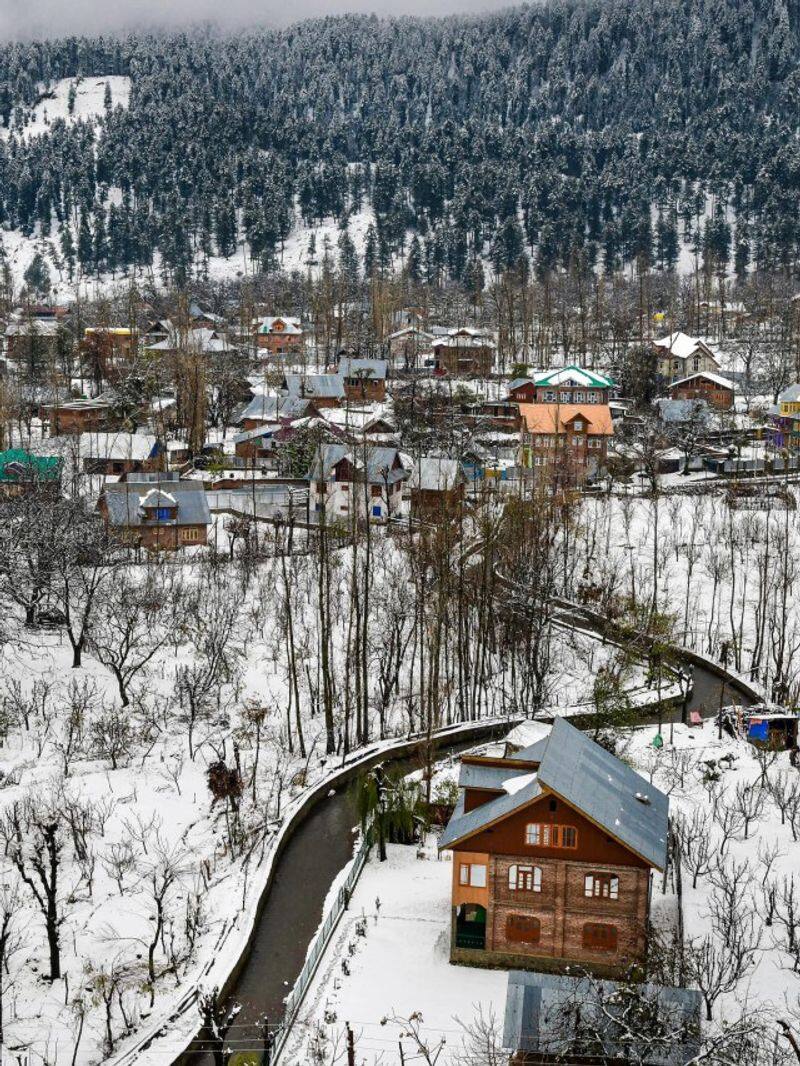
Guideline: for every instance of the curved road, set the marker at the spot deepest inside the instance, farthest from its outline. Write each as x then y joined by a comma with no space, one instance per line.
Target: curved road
315,854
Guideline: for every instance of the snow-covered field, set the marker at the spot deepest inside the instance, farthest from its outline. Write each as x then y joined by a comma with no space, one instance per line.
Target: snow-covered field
389,955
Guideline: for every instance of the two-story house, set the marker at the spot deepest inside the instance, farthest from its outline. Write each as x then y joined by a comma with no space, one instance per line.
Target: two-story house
568,439
678,356
570,384
156,511
552,854
279,335
364,481
716,390
364,379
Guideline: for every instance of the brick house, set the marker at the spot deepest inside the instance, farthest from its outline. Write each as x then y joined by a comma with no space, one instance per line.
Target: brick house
571,384
568,439
464,351
279,335
552,854
75,416
156,511
364,379
679,355
717,391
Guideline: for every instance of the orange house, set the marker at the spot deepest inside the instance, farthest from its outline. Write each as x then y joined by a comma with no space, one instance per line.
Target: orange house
279,336
568,437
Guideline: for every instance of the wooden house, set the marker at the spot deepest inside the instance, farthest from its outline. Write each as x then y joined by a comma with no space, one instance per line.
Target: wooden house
114,454
717,391
437,487
75,416
156,511
464,352
364,379
552,854
325,390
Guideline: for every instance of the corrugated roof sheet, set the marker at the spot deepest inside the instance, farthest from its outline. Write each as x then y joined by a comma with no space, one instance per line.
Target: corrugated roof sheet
536,1005
310,386
464,825
606,789
124,502
471,775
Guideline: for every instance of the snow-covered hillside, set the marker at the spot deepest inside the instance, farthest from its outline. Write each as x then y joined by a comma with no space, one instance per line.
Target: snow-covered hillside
53,104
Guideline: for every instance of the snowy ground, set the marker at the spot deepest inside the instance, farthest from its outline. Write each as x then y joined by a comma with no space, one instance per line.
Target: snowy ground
391,960
54,104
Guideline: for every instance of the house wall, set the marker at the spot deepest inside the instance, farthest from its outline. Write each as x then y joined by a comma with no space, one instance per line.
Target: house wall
64,420
569,394
163,538
671,368
280,343
469,893
373,390
469,359
714,395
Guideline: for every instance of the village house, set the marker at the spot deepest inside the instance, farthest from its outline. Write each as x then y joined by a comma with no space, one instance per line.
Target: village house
678,356
266,407
279,335
364,379
464,352
717,391
21,472
114,454
552,853
406,345
156,511
197,340
363,481
785,419
75,416
570,437
30,340
436,487
108,351
326,390
571,384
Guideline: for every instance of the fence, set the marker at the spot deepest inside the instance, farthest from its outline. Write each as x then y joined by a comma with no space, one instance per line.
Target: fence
320,942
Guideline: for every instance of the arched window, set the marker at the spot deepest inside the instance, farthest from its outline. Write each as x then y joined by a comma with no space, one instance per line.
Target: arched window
601,886
523,929
525,878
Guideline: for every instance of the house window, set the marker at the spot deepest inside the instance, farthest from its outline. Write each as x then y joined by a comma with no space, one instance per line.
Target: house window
696,363
523,929
375,490
578,397
599,937
551,836
162,514
190,534
472,873
376,511
525,878
591,397
594,442
601,886
564,396
550,397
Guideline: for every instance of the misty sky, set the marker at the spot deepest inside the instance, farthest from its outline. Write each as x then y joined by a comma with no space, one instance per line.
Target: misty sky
52,18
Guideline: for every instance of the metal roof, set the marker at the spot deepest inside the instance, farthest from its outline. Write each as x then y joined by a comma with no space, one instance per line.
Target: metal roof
588,778
536,1005
369,369
312,386
607,791
124,503
270,406
464,825
379,462
473,775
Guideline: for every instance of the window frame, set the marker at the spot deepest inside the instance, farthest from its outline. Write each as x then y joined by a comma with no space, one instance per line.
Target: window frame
551,835
521,872
601,885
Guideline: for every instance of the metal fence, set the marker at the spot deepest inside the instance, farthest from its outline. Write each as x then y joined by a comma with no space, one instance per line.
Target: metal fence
321,939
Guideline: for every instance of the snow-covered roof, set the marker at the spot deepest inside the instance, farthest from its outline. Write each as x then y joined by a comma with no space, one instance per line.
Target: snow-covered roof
369,369
379,463
707,375
680,345
124,502
315,386
433,474
287,326
791,394
137,446
573,375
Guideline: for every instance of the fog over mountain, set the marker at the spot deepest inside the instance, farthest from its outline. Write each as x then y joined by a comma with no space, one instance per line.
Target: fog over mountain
52,18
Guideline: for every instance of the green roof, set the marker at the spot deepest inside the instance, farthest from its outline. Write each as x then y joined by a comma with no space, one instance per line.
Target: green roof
36,467
590,379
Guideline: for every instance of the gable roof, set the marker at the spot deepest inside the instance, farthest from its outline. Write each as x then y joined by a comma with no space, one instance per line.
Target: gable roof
17,465
269,406
709,375
291,325
576,375
314,386
553,417
380,463
124,502
434,474
590,779
682,346
790,394
369,369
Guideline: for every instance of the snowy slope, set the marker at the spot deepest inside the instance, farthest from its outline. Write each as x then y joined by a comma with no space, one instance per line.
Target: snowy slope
54,103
